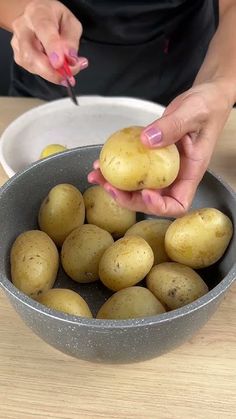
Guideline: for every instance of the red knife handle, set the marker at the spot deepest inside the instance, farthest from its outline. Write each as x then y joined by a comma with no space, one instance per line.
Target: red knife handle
65,70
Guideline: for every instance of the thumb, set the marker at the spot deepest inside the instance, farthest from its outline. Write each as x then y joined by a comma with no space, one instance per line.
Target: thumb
173,126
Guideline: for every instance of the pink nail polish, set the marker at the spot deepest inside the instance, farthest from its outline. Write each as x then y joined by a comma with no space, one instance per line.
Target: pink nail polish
83,63
153,135
72,81
112,193
147,199
73,61
64,83
73,54
91,178
96,164
53,58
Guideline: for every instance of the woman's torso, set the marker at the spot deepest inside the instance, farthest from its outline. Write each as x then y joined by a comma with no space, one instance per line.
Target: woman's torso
147,49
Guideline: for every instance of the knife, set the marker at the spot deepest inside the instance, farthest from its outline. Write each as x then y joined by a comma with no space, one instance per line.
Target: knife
66,73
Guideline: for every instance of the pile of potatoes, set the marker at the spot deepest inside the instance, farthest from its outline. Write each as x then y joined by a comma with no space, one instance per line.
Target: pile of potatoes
112,247
95,239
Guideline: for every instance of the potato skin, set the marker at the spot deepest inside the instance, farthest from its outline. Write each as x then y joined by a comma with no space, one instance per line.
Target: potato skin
130,303
128,165
199,238
153,231
34,262
61,212
103,211
125,263
82,251
175,285
65,300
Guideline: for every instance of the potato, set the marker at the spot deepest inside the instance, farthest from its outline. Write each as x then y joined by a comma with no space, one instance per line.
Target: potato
34,262
125,263
153,231
103,211
66,301
61,212
82,251
200,238
128,165
51,149
130,303
175,285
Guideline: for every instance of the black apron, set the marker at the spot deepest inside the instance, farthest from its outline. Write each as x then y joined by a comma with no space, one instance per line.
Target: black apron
145,49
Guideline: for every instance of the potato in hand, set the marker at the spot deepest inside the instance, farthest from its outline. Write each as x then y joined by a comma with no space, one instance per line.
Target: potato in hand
128,165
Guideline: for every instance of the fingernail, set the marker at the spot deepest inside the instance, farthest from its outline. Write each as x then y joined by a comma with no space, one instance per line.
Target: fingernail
112,193
153,135
73,53
73,61
91,178
73,56
64,83
147,199
72,81
96,164
83,63
53,58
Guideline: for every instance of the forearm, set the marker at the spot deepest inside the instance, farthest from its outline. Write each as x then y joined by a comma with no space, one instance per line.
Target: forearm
10,10
220,60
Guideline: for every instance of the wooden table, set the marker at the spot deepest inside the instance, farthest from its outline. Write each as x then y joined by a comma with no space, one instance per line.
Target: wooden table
196,381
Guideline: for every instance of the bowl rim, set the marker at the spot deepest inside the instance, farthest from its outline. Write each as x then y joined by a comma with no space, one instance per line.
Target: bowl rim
102,324
49,107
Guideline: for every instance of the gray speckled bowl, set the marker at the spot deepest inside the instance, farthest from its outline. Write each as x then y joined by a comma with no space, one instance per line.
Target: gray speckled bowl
104,340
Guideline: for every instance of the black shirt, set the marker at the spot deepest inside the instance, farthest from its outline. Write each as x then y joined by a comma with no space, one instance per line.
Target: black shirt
146,49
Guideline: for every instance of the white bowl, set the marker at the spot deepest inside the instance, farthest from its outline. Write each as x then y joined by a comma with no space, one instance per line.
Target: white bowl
62,122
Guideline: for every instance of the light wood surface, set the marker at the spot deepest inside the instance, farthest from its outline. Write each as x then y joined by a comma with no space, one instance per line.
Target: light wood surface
196,381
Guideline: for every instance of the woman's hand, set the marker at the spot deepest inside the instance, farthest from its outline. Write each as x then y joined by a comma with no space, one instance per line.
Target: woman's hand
43,36
193,121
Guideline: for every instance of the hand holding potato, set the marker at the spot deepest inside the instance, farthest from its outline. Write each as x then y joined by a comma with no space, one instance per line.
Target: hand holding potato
130,166
126,168
192,121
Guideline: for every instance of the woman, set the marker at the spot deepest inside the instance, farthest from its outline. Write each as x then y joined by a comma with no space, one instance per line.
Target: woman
173,52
